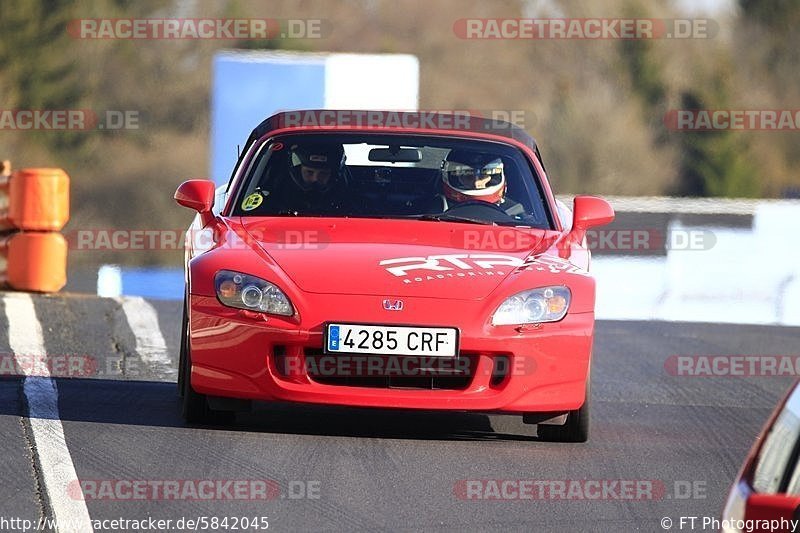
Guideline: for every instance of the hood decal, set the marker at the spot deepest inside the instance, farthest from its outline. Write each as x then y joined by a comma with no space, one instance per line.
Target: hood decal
444,266
387,258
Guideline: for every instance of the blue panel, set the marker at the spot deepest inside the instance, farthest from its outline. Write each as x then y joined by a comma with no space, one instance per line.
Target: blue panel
157,283
333,339
246,90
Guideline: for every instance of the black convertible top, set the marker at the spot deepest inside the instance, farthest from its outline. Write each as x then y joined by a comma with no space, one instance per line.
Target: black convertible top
451,122
387,121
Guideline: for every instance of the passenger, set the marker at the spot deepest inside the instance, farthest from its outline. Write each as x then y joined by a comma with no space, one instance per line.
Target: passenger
316,185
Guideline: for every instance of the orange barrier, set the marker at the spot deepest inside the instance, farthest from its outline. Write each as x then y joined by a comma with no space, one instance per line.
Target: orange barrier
34,261
34,206
34,199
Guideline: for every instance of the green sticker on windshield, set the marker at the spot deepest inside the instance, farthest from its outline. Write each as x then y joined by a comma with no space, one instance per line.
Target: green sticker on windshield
252,201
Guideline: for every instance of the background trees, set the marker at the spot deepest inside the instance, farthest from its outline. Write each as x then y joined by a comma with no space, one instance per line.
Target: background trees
596,106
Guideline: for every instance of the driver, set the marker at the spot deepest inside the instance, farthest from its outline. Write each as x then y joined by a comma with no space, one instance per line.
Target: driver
317,186
471,176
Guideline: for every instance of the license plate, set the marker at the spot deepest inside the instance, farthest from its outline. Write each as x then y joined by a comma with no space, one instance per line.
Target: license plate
391,340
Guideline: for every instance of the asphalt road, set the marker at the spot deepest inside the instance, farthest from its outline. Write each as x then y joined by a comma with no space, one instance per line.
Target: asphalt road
332,469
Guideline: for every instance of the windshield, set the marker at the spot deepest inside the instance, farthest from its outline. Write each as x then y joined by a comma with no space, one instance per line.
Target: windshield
392,176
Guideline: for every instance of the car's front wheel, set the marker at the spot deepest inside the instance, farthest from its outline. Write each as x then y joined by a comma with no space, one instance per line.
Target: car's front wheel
576,429
194,405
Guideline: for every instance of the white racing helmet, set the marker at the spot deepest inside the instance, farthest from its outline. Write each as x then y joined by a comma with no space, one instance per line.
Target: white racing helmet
469,176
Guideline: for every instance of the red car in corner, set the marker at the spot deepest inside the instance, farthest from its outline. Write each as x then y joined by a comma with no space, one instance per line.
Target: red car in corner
397,260
766,494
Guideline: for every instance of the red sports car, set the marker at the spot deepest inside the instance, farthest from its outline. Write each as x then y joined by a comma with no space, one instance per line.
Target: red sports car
402,260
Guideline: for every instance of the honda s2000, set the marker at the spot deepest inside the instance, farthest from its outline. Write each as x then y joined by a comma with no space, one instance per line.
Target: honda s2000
390,260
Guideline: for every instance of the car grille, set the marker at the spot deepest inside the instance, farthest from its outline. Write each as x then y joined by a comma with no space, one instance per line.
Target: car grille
391,372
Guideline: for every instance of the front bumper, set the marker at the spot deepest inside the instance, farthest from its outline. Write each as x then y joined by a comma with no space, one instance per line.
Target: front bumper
241,355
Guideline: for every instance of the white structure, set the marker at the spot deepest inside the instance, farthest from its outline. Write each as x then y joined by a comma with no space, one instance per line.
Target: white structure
747,277
249,86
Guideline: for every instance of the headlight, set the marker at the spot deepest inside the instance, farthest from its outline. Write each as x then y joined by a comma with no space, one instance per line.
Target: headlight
249,292
548,304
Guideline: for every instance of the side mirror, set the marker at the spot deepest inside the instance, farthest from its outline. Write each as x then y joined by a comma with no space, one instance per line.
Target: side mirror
587,212
590,211
772,507
197,194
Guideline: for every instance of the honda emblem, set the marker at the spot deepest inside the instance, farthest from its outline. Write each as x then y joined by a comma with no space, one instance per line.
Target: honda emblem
393,305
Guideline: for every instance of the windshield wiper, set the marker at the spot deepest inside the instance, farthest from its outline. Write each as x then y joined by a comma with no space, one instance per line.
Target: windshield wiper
453,218
437,218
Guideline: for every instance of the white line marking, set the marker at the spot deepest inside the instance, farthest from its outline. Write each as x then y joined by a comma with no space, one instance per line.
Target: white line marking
143,320
26,341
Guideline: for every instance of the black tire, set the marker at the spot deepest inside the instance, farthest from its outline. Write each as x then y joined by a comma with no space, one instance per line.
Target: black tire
577,427
182,356
195,408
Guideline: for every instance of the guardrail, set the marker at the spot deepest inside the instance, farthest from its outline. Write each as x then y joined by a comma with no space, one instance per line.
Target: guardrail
34,207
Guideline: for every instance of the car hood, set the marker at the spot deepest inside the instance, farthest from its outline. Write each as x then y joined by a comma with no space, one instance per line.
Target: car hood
394,257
